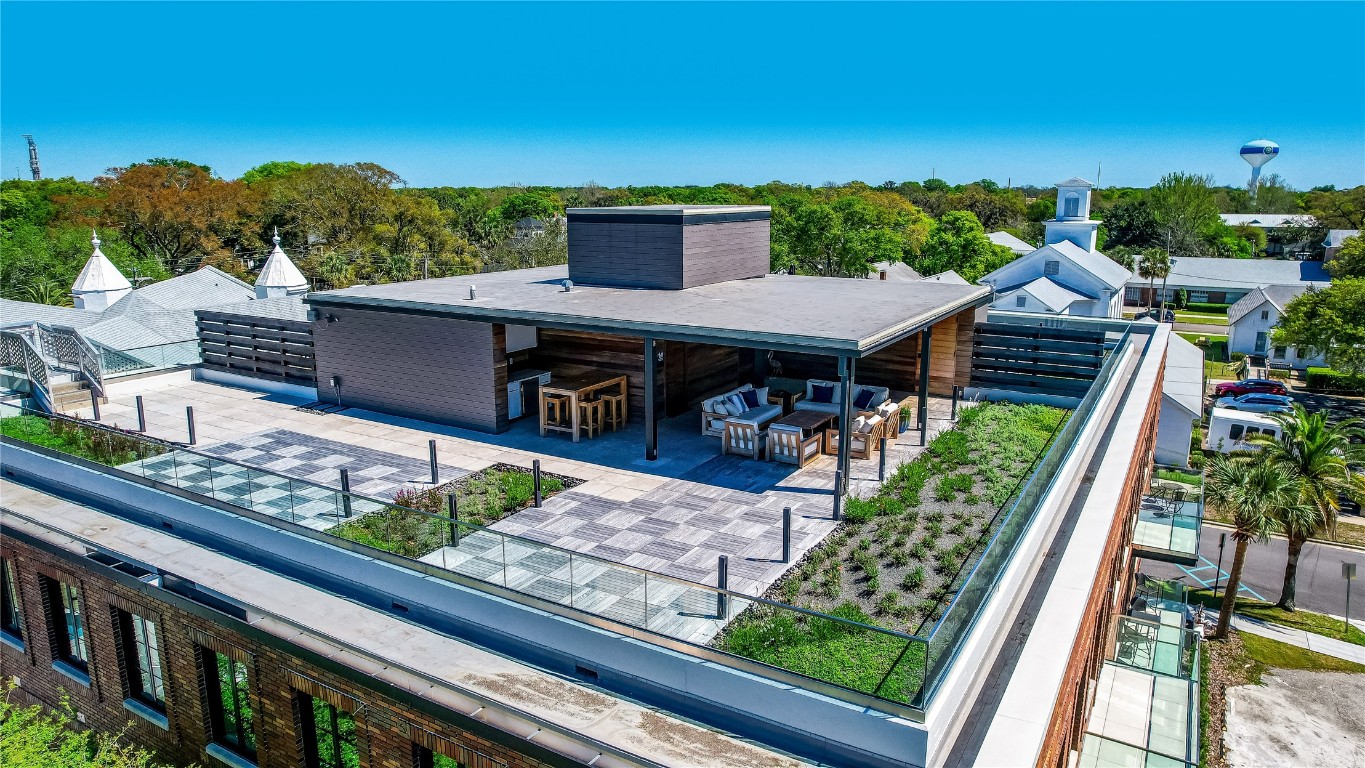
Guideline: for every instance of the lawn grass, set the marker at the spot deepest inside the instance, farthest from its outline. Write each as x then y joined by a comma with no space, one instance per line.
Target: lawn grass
1205,704
831,651
1273,653
1308,621
102,446
1200,318
1347,533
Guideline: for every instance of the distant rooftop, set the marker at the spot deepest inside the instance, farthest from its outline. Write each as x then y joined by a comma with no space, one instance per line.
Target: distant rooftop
778,312
1267,219
1240,273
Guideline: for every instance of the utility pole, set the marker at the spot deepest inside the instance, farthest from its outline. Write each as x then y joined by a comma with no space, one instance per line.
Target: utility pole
33,158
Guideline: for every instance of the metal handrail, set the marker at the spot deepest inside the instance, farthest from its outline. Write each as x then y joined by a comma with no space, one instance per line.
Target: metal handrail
728,595
34,366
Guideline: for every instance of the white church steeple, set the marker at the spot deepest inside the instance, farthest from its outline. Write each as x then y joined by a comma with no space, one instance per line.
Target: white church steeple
1073,216
99,284
279,276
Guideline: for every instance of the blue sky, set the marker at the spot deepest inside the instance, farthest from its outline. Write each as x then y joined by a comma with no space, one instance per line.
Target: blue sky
674,93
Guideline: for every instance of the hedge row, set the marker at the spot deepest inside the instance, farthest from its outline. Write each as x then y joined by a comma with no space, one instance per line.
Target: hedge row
1207,309
1328,380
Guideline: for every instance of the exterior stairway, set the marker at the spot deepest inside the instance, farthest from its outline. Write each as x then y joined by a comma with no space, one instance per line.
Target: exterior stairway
70,392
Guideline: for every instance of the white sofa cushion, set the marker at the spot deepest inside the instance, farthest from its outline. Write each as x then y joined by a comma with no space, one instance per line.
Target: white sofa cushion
758,415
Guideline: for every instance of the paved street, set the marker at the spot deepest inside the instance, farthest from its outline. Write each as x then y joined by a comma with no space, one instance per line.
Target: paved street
1320,586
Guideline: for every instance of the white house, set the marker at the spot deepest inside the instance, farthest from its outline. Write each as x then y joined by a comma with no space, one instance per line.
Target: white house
1066,276
1182,399
1225,281
1335,239
1255,315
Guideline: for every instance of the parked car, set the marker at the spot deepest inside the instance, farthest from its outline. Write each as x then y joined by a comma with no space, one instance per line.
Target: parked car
1257,402
1155,314
1249,386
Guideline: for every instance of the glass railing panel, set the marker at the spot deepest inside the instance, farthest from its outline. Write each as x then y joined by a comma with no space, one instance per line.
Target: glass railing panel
539,570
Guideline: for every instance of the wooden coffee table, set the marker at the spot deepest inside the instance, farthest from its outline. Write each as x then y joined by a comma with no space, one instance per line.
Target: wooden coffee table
812,425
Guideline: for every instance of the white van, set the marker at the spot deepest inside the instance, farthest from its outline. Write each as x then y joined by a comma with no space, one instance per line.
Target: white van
1229,430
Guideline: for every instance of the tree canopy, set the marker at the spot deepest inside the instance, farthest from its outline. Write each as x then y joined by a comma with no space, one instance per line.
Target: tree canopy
1328,321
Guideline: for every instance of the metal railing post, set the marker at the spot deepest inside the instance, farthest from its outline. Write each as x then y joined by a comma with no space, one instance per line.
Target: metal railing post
722,583
535,478
838,495
957,392
786,534
881,466
345,493
454,506
923,424
435,470
189,419
95,403
141,415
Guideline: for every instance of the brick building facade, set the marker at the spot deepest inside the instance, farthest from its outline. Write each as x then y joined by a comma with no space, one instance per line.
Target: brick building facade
391,730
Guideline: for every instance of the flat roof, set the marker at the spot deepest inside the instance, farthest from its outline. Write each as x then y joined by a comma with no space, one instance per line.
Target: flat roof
669,214
821,315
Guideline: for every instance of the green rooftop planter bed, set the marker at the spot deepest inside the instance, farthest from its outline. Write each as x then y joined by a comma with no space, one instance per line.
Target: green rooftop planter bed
899,557
483,498
102,446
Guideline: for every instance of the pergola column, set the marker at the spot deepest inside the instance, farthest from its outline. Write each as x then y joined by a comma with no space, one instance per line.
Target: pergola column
924,384
651,424
846,370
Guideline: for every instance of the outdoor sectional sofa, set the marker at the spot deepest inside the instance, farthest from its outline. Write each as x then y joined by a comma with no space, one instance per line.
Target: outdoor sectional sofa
715,410
808,403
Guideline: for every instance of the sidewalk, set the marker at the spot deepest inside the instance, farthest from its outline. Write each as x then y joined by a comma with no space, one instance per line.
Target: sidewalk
1298,637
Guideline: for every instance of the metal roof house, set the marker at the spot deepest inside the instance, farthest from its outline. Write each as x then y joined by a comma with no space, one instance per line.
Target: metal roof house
1225,281
1254,317
678,299
1011,242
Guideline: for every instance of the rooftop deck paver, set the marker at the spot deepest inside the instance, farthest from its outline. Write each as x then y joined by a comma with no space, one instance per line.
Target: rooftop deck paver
676,516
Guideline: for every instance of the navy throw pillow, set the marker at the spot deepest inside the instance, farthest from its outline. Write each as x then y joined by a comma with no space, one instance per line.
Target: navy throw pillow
750,397
820,393
864,399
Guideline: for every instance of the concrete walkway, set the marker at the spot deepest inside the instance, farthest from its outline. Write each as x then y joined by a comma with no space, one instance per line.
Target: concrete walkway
1298,637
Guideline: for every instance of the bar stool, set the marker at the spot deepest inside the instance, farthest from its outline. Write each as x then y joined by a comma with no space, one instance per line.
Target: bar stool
556,410
616,412
590,417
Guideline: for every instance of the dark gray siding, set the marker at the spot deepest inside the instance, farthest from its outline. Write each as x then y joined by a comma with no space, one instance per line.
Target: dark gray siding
435,369
626,254
714,253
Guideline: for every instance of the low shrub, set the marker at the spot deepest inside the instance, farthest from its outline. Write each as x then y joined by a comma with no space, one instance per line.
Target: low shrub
1328,380
1205,308
900,558
858,510
913,579
887,603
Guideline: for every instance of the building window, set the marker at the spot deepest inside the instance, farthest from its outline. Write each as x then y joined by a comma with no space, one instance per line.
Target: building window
1279,353
1132,294
1072,206
425,758
328,734
1021,301
68,623
11,620
229,703
1265,314
1051,267
1199,297
143,676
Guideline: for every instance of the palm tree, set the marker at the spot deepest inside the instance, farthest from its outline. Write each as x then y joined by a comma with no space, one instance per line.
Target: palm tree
1153,263
1256,492
1319,454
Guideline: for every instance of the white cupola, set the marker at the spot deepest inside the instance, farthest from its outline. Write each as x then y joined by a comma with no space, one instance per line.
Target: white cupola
279,276
99,284
1073,216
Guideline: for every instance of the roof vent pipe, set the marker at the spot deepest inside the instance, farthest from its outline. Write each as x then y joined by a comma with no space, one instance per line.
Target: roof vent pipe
472,295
